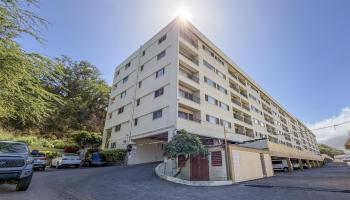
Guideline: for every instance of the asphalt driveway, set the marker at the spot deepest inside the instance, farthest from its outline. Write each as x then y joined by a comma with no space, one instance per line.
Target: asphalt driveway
140,182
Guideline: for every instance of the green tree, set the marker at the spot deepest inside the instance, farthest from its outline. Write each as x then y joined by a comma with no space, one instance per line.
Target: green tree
85,96
87,139
187,144
325,149
24,102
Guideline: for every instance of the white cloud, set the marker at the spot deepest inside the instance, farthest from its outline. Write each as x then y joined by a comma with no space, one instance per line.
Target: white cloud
333,136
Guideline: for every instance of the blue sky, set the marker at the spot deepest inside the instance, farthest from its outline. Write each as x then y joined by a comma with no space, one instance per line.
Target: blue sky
298,51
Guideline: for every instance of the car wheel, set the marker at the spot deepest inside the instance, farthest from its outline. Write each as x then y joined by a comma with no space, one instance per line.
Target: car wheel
285,169
77,166
24,183
43,168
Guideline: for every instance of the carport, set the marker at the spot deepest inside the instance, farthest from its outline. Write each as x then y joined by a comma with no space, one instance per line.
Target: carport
292,155
147,149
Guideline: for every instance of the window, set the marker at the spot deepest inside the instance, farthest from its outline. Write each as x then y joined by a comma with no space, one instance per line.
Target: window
141,68
185,115
115,86
161,55
222,75
225,124
143,52
138,102
140,84
224,106
127,65
123,94
117,128
211,100
216,158
160,72
121,110
113,145
205,63
209,82
158,92
135,121
125,79
117,73
157,114
212,119
221,89
162,39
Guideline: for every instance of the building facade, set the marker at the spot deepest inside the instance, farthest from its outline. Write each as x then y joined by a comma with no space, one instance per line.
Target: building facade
181,80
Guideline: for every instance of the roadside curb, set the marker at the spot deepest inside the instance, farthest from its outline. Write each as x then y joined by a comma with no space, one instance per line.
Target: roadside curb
189,183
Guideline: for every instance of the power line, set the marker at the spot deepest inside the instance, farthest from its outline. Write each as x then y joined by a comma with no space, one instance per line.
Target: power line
334,125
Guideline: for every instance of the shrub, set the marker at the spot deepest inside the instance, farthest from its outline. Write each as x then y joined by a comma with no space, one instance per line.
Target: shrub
85,138
116,155
51,154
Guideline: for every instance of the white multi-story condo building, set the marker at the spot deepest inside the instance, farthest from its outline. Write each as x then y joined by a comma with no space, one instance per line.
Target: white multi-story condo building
181,80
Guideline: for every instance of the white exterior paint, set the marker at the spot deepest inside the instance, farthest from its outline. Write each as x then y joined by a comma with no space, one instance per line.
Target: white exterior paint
294,133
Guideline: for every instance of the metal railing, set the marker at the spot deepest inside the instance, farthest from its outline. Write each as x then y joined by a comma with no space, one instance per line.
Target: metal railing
189,96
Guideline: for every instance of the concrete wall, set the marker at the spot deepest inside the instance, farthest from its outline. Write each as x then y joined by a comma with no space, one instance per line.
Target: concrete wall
246,164
217,173
146,151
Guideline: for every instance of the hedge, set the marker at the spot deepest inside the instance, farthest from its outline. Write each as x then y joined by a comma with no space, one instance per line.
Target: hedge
116,155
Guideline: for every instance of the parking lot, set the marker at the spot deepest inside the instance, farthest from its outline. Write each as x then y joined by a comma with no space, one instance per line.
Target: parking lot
140,182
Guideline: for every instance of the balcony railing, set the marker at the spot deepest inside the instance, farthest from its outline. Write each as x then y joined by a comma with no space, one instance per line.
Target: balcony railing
188,38
192,59
189,96
187,116
246,107
235,101
237,116
248,121
190,76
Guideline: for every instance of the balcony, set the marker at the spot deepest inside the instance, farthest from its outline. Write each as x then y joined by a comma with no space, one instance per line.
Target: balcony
271,129
189,37
188,113
193,58
237,116
244,131
189,96
247,119
245,105
266,108
183,71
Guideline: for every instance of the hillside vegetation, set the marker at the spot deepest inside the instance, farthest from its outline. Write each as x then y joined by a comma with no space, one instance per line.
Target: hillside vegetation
325,149
43,100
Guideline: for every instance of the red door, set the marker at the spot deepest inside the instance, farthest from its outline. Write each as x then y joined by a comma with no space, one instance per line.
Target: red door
199,168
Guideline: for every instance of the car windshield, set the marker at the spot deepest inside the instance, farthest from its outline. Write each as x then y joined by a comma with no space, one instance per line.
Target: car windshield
8,147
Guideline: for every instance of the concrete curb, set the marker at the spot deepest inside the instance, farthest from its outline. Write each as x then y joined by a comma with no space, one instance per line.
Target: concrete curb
190,183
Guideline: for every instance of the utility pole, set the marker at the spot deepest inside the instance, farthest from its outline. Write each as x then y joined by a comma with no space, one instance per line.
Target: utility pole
227,157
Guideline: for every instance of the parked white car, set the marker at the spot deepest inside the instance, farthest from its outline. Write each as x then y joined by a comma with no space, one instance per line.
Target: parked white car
280,165
66,160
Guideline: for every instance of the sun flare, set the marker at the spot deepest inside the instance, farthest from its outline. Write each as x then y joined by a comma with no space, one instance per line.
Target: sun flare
184,13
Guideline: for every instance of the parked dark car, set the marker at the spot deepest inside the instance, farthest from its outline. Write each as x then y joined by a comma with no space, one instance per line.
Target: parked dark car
97,159
16,164
39,160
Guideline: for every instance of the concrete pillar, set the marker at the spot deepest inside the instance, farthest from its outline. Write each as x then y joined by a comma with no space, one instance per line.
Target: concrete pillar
301,167
308,164
290,166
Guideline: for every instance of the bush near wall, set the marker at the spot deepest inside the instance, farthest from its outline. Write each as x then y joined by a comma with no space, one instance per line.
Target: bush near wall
114,156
